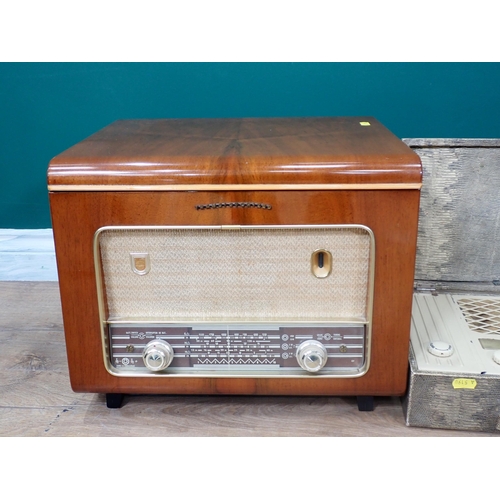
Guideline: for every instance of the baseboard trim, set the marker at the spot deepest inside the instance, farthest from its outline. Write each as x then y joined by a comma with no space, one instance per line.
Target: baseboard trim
27,255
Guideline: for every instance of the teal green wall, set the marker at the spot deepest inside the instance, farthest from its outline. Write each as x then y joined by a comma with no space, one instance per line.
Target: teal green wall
45,108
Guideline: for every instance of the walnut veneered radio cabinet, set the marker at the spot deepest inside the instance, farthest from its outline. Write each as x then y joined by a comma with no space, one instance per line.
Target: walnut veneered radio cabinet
266,256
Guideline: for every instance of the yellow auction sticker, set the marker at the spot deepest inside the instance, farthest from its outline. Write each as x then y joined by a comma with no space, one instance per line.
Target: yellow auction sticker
464,383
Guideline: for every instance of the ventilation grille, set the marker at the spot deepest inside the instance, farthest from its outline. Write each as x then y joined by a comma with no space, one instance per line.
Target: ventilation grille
481,313
213,274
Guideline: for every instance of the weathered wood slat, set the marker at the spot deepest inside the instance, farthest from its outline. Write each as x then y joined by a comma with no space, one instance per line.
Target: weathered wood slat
36,398
212,416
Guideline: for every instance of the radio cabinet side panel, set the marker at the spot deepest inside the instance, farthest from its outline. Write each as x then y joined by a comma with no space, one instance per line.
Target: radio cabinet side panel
391,215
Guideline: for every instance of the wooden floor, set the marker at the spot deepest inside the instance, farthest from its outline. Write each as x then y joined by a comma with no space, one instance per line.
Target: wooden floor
36,398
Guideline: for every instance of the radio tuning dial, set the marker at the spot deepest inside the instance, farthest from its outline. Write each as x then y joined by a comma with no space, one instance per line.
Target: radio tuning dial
157,355
311,355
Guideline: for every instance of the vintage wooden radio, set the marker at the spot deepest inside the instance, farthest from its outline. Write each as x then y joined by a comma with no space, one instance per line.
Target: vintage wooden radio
269,256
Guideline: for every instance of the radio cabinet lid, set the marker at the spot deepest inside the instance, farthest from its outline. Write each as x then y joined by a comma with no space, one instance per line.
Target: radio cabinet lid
238,153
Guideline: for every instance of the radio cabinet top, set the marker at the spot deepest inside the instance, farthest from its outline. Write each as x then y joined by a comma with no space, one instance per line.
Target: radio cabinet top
238,154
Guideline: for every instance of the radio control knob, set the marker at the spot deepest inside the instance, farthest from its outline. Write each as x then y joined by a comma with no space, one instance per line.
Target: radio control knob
311,355
157,355
440,349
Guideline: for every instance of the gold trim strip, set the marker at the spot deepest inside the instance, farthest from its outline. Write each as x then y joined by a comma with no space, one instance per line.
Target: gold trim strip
233,187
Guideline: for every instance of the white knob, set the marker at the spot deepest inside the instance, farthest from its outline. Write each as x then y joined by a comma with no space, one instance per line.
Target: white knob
440,349
311,355
157,355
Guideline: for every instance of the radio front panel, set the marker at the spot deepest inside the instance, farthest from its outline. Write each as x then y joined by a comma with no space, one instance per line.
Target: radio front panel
264,350
260,350
236,300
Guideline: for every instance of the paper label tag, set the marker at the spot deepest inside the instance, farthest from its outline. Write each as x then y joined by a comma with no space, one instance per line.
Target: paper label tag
464,383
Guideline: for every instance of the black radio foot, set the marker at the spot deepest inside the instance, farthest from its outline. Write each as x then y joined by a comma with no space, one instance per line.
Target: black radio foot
365,403
114,400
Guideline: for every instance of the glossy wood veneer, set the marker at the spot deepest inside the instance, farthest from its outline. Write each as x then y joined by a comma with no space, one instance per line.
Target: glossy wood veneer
311,170
392,216
286,152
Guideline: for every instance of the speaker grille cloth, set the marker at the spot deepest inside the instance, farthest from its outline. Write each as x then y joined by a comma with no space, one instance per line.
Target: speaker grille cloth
248,274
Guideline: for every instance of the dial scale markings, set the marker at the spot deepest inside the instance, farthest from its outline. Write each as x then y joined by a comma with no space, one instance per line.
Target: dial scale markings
343,346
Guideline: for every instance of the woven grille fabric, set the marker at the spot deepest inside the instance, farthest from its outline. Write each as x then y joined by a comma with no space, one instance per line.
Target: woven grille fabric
249,274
